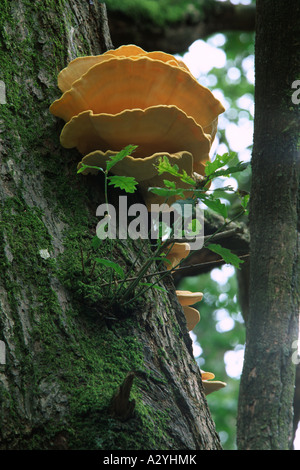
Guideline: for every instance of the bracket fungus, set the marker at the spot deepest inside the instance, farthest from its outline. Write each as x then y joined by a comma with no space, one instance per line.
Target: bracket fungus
210,385
149,99
89,132
192,317
120,83
187,298
178,252
79,66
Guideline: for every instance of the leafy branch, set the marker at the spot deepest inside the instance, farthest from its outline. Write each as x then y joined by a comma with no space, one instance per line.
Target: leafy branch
125,287
199,192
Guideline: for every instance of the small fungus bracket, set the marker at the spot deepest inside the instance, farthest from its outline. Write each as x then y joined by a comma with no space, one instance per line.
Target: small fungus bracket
121,407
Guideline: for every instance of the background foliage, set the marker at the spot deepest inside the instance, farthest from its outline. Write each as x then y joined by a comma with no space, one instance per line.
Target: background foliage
221,332
159,12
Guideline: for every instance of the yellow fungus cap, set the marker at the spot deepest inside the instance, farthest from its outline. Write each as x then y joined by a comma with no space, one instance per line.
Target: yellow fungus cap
192,317
156,129
178,252
207,375
210,385
149,99
186,297
79,66
121,83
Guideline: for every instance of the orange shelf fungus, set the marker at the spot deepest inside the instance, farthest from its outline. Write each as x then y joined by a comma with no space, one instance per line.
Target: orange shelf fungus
185,297
121,83
155,129
130,96
178,252
207,375
79,66
192,317
210,385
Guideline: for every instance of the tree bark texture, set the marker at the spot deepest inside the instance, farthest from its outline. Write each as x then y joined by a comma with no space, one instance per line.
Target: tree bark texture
77,375
176,37
268,378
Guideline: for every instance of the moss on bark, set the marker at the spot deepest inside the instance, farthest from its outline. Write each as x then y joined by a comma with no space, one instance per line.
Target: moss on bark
66,352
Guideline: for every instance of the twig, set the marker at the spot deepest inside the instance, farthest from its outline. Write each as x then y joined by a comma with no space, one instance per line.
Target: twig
180,268
216,236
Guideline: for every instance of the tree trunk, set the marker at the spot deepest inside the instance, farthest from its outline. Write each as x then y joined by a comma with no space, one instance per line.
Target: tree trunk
77,375
267,383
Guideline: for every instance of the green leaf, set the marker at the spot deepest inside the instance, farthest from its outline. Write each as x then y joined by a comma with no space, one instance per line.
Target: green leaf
245,200
226,254
170,184
219,192
166,260
149,284
96,242
164,166
119,156
187,179
217,206
164,192
112,265
128,183
81,169
241,166
218,162
84,167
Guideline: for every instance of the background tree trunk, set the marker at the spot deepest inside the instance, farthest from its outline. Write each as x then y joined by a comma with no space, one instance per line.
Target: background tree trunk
66,354
267,384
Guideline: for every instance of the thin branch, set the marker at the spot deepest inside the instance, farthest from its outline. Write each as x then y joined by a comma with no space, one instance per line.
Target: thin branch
216,236
180,268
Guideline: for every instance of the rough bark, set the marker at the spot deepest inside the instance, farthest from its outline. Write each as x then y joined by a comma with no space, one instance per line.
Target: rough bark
176,37
267,383
67,355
